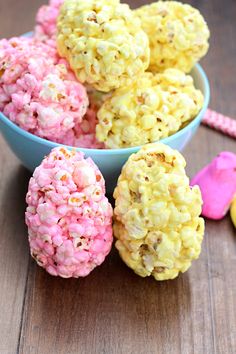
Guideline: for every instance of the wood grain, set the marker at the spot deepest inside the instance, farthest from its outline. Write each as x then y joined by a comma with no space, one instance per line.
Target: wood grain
13,249
113,311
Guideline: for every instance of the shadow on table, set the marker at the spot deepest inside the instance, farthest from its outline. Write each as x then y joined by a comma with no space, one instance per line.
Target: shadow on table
13,203
111,304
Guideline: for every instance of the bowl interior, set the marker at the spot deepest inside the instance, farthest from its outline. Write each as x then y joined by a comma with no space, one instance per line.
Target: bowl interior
31,149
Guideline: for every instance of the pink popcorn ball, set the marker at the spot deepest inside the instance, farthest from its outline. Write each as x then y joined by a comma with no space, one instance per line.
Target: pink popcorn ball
46,20
39,91
69,218
85,133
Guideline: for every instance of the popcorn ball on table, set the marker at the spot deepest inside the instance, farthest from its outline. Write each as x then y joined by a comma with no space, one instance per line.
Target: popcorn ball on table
152,107
177,32
69,218
157,224
233,211
103,42
44,96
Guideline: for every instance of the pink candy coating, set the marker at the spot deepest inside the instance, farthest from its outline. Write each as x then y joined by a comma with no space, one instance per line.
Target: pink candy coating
69,218
46,20
85,132
38,90
217,182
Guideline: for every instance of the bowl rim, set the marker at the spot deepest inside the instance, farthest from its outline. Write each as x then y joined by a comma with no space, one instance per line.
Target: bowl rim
118,151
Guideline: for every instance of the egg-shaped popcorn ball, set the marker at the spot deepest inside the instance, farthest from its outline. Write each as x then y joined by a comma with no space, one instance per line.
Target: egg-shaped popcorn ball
69,218
152,107
46,20
103,42
157,224
44,96
177,32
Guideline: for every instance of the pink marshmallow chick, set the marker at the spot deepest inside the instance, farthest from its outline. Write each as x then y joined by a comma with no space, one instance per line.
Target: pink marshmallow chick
44,96
69,218
217,182
46,21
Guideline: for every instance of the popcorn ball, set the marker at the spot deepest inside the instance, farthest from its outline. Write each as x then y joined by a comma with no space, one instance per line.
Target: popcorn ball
85,132
103,42
177,32
233,211
157,224
39,92
151,108
46,20
69,218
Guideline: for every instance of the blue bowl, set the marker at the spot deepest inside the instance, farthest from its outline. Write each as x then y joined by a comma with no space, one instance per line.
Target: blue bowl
31,149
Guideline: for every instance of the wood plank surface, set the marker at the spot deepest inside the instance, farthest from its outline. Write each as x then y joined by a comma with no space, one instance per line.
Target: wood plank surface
113,311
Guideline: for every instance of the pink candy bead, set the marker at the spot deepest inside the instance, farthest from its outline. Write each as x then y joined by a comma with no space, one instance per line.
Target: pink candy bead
69,218
38,91
219,122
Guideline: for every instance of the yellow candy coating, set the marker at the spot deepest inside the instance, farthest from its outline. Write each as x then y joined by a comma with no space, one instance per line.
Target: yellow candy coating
233,211
177,32
103,42
157,224
152,107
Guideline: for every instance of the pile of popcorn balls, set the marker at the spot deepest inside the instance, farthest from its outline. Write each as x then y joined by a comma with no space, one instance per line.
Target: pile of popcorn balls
98,75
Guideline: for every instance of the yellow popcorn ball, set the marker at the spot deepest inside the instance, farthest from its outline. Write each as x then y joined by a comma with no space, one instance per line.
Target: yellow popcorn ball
157,224
177,32
233,211
150,108
103,42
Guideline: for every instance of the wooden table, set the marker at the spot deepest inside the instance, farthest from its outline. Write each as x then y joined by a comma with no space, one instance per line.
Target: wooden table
113,310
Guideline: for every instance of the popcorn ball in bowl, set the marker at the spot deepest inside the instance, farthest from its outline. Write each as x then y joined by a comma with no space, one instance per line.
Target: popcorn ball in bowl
152,107
103,42
46,20
157,224
69,218
42,96
177,32
85,132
